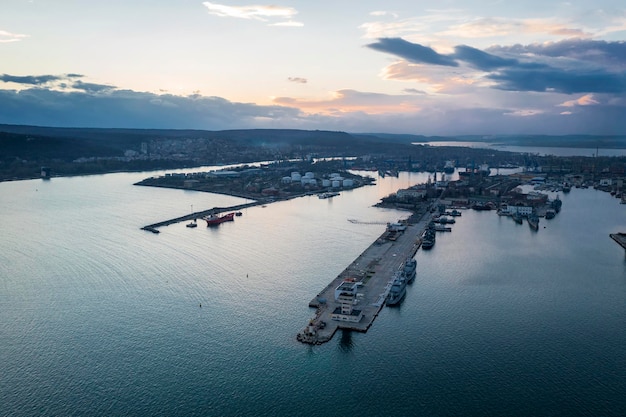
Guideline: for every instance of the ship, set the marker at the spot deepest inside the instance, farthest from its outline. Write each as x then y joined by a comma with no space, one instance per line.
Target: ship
550,213
398,290
556,204
328,194
449,167
428,241
409,269
517,217
533,221
214,219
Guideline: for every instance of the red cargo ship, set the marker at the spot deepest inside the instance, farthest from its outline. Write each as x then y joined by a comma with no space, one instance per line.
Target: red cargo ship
214,219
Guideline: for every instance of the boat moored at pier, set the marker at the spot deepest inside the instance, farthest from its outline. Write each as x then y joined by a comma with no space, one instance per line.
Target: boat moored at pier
409,269
398,289
215,219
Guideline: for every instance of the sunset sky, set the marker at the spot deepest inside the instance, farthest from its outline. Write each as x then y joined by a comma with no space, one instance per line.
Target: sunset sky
430,68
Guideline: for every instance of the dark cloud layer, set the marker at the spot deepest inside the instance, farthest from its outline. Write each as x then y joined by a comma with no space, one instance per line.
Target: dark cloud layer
480,59
412,52
597,52
101,107
590,67
91,87
560,81
30,79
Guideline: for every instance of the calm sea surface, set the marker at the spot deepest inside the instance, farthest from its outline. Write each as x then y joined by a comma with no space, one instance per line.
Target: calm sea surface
540,150
101,318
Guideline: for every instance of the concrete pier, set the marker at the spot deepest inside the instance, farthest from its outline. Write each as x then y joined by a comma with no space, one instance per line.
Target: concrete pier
620,238
373,270
198,215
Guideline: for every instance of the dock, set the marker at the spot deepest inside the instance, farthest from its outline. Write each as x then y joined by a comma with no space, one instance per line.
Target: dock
373,272
620,238
198,215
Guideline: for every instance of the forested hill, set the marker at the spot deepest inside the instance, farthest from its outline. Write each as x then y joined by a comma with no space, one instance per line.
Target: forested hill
73,151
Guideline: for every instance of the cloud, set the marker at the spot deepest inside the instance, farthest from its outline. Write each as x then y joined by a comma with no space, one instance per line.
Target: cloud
31,79
603,53
6,37
255,12
298,80
569,67
384,13
91,87
132,109
411,52
497,27
289,23
586,100
413,91
560,81
481,60
348,101
345,110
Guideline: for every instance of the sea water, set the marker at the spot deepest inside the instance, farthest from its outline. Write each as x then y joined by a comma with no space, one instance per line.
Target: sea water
101,318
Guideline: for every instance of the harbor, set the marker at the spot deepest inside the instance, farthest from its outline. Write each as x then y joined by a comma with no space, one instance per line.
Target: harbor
371,275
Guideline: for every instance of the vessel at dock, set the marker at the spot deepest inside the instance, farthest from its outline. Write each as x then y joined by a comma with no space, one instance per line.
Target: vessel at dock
533,221
214,219
327,195
409,269
398,289
428,240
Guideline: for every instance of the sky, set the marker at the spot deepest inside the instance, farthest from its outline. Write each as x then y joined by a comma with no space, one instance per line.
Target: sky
426,68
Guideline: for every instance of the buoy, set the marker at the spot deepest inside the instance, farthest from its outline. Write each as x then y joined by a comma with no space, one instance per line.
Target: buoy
200,305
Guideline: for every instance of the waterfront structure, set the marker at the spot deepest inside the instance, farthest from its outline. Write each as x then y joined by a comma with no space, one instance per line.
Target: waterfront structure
341,306
345,295
520,210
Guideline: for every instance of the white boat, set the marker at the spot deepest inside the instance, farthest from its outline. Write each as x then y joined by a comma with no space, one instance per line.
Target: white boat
328,194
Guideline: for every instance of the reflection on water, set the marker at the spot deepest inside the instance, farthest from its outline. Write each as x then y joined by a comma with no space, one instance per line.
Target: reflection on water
345,342
539,150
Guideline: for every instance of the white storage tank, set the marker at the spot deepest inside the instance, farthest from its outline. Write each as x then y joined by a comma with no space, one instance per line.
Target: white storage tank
325,183
334,174
336,184
309,175
313,182
295,176
286,180
305,181
348,183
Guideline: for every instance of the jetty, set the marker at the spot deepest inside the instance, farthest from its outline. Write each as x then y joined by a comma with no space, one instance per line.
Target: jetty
198,215
371,275
620,238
